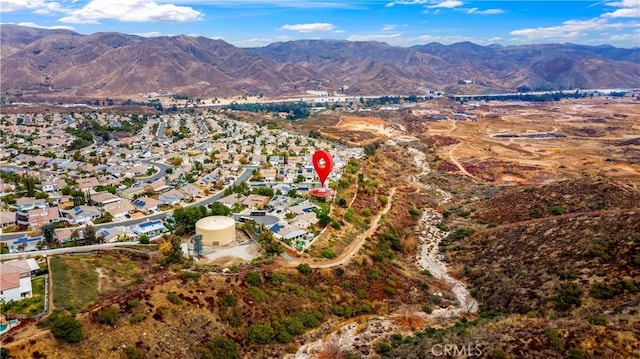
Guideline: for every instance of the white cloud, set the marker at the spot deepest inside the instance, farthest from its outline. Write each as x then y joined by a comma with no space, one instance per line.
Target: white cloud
31,24
570,29
389,27
624,3
447,4
407,2
374,37
475,10
630,12
131,11
149,34
294,4
42,7
313,27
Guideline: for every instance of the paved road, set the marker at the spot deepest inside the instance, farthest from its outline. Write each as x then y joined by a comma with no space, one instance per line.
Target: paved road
160,131
162,170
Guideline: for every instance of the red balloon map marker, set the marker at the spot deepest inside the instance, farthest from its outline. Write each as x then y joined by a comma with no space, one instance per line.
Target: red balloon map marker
323,164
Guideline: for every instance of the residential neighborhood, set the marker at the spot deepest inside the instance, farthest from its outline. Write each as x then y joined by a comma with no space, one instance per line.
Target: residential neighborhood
123,174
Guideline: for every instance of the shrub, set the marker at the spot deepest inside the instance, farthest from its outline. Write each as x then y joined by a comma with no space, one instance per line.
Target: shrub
328,252
220,348
576,354
599,319
568,296
132,352
133,303
374,274
310,319
137,318
338,271
294,325
277,278
304,268
66,328
427,309
229,300
258,295
254,279
383,347
343,310
260,333
174,298
600,290
557,209
109,316
553,337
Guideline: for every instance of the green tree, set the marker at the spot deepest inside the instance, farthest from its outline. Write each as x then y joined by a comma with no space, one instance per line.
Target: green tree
197,245
144,239
48,233
89,233
175,255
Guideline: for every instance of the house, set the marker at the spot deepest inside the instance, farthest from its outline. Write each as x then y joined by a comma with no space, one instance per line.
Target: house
231,200
89,183
146,204
65,235
37,217
279,203
24,204
304,221
172,197
81,214
132,192
288,234
191,190
116,234
103,198
14,287
150,229
119,210
269,174
302,208
7,218
255,201
24,244
159,185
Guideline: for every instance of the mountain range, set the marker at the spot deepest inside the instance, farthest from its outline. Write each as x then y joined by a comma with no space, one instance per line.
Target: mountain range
41,63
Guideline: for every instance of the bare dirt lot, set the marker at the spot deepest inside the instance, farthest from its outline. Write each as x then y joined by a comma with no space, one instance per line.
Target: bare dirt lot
541,142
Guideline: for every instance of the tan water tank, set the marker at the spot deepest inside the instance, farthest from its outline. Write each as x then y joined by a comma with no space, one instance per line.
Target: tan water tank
216,230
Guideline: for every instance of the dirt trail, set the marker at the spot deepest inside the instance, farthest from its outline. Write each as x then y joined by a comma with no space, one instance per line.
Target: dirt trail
353,247
460,167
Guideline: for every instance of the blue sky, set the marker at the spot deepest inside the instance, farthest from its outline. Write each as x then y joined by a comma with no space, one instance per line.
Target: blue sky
248,23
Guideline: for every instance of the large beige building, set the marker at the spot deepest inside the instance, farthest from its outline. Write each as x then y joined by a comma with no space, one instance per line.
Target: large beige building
216,230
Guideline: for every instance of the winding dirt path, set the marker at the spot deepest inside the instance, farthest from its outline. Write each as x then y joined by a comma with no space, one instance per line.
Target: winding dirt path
460,167
353,247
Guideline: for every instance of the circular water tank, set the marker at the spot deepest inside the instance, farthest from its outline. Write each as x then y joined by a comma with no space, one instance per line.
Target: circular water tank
216,230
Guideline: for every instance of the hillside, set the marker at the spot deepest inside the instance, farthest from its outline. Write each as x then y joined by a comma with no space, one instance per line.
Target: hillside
61,64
